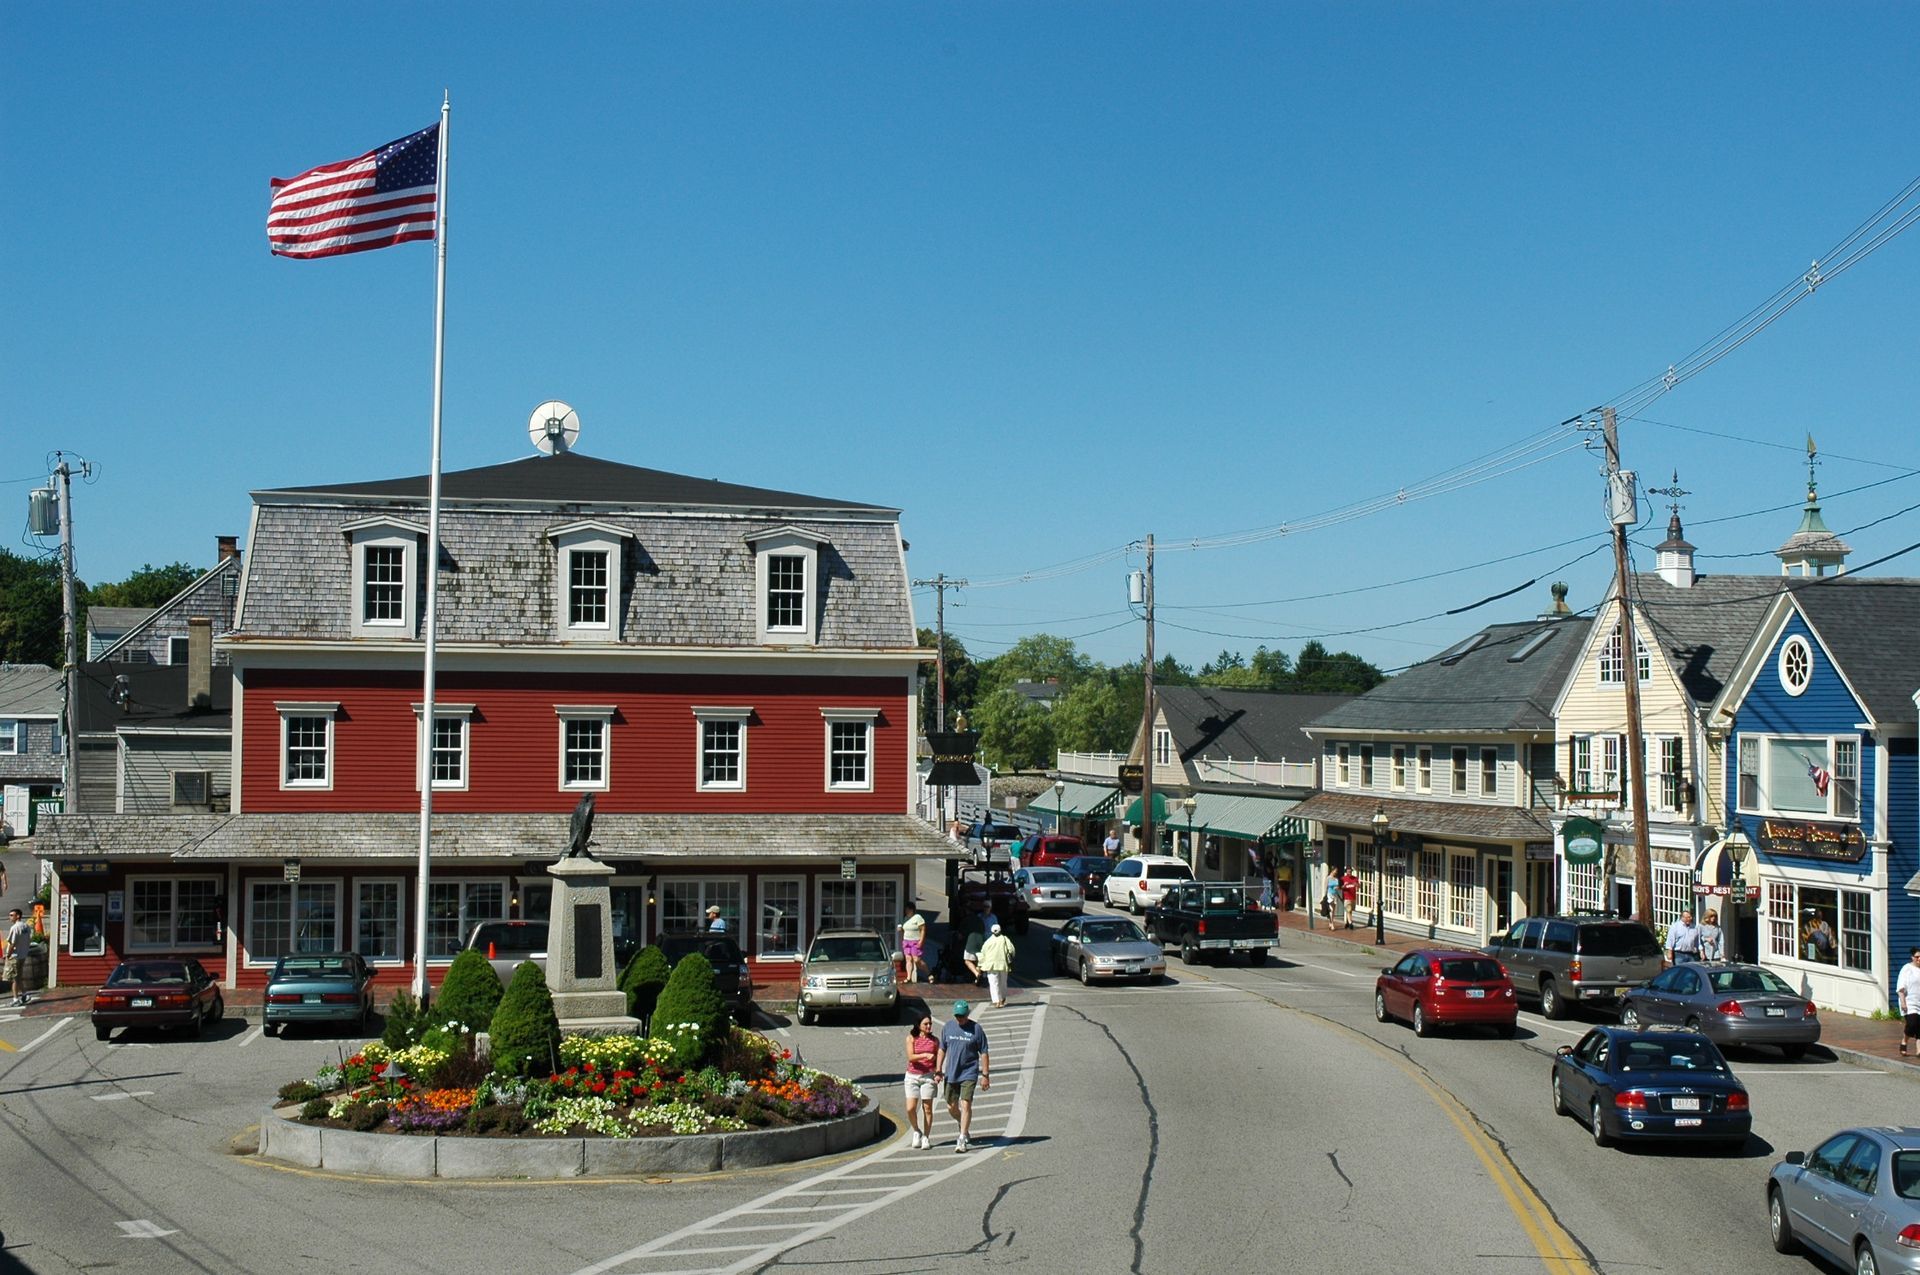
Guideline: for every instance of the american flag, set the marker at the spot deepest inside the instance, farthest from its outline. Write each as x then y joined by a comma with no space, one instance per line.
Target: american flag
378,199
1820,777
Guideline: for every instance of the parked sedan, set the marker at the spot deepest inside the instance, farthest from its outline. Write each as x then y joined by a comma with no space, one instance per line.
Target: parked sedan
320,987
1651,1084
157,993
1729,1004
1090,870
1445,987
1049,891
506,944
1106,947
1854,1199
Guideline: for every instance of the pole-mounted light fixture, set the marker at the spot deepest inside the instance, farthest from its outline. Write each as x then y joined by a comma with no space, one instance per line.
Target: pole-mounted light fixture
1381,826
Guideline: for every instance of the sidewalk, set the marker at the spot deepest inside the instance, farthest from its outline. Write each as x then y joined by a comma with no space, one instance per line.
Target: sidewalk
1846,1036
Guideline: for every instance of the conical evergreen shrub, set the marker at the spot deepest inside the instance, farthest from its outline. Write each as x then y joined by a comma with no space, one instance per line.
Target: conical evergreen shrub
470,994
690,1015
524,1038
646,974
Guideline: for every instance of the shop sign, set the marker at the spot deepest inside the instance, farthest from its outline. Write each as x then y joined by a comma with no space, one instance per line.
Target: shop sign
1582,840
953,753
1838,842
290,869
1539,852
1133,779
116,905
83,867
1398,846
847,868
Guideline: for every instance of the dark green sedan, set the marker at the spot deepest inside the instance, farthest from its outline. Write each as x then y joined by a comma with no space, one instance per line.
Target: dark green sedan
319,987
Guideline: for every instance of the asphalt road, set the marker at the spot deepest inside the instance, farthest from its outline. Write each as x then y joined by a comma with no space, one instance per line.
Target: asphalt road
1231,1119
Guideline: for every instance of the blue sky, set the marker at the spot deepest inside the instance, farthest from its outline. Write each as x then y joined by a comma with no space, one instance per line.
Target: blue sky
1047,277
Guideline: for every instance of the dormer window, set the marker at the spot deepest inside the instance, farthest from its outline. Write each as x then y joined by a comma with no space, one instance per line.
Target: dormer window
786,585
386,573
588,576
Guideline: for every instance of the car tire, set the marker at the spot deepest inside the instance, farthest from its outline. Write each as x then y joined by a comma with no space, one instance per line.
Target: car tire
219,1009
101,1033
1421,1027
1600,1138
1794,1053
198,1026
1863,1260
269,1029
1086,974
1380,1014
1692,1024
1552,1004
1133,904
1508,1030
1559,1099
808,1017
1189,954
1257,957
1779,1229
1630,1018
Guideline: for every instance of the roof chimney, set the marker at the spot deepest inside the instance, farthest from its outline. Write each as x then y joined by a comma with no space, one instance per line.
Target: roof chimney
1559,608
199,662
229,547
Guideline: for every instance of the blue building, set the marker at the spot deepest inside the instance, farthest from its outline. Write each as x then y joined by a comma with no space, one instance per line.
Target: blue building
1818,724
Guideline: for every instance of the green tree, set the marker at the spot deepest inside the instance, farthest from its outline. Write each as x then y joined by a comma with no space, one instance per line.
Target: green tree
525,1035
691,1017
1015,732
30,610
1035,658
963,681
642,980
1095,717
147,587
470,993
1274,668
1320,672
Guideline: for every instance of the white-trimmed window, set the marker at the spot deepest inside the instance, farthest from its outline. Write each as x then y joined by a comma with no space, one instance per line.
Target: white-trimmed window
386,573
1672,892
870,902
167,914
1363,898
1343,765
286,917
684,902
1613,661
87,927
782,932
177,648
1399,767
1489,772
1669,780
1460,772
1795,665
1596,766
786,576
1424,765
1162,747
13,737
589,580
455,907
589,574
1366,765
850,748
722,744
306,743
1800,776
585,745
786,593
1820,925
379,929
452,729
1427,867
1583,887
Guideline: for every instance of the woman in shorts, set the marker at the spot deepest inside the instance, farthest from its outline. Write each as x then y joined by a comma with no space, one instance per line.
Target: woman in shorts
923,1082
913,938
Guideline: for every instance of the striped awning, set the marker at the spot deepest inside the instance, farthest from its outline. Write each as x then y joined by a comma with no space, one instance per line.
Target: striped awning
1713,870
1264,819
1159,810
1077,801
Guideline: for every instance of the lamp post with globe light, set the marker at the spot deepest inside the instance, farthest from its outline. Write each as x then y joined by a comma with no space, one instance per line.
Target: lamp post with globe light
1059,803
1736,894
1381,826
1187,803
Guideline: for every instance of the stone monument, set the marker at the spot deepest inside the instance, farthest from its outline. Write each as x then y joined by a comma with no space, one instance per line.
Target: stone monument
580,972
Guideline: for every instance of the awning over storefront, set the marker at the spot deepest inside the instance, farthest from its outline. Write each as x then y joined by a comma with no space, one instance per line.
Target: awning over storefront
1078,801
1265,819
1713,870
1472,820
1159,810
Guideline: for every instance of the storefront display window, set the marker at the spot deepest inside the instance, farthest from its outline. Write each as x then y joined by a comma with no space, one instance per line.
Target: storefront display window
1820,925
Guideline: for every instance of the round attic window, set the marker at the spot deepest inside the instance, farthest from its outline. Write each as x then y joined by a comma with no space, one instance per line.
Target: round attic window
1796,665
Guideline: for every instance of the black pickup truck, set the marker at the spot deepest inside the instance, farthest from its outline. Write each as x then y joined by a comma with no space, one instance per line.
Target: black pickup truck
1212,917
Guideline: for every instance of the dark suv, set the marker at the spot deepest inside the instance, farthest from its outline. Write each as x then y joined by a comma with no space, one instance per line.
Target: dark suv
992,841
730,977
1581,957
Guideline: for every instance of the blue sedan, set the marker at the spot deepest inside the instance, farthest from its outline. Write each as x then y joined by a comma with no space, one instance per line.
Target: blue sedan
318,987
1651,1084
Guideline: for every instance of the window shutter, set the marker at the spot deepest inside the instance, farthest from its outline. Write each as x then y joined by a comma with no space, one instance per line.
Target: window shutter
1626,769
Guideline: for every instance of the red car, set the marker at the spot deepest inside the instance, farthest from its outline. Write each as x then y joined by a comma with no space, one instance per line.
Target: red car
1445,987
157,993
1049,850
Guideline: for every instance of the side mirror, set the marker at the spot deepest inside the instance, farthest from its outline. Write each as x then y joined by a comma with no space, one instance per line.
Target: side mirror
1386,969
1796,1157
1565,1051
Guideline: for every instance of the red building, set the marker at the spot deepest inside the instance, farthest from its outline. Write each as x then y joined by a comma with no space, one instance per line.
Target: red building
732,672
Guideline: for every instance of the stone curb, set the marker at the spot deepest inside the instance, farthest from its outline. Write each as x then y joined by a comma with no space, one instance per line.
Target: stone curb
388,1155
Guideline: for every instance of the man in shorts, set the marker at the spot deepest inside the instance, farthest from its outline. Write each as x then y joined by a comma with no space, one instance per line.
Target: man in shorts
18,938
964,1064
1907,992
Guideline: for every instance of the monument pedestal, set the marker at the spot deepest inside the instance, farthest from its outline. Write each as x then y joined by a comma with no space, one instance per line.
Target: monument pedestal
586,997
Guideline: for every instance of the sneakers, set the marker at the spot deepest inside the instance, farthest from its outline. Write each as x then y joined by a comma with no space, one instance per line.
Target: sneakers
960,1147
920,1142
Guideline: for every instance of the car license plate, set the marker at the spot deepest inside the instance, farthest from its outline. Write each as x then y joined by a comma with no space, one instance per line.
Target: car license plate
1775,1011
1686,1122
311,998
1686,1104
848,998
1476,993
141,1002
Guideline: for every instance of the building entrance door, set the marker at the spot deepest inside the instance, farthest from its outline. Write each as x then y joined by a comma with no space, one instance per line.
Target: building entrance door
1499,877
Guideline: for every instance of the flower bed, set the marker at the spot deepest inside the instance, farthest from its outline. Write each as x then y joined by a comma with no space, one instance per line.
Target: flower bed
602,1086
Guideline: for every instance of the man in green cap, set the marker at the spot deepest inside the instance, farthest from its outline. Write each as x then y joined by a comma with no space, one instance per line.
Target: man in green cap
964,1064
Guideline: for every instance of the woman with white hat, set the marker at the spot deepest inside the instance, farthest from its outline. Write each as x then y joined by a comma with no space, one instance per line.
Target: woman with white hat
996,962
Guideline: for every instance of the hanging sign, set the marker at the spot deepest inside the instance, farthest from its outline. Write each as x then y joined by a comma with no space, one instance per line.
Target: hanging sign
1582,839
1840,842
847,868
953,753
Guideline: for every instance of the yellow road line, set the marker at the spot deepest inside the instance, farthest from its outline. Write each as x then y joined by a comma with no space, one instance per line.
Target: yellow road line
9,1048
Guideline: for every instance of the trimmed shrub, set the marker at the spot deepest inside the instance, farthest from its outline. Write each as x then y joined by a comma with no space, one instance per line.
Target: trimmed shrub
470,994
690,1017
403,1021
365,1117
298,1091
315,1109
525,1034
646,974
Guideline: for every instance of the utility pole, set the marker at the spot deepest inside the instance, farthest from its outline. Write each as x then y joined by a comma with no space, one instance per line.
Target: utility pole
69,626
1633,770
940,584
1148,834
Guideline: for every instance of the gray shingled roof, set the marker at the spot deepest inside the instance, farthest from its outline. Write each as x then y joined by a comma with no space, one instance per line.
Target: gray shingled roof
1703,629
1872,628
509,837
29,690
1211,721
573,479
1502,682
117,619
1477,820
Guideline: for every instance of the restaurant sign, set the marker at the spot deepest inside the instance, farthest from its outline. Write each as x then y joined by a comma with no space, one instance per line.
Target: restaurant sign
1801,839
1582,840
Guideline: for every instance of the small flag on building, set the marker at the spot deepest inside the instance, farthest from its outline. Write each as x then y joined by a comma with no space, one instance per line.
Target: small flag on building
378,199
1820,777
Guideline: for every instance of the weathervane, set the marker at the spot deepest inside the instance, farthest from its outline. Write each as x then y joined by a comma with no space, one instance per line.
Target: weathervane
1813,458
1673,493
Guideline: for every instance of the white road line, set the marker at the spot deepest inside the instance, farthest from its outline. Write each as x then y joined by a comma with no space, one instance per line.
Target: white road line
892,1153
65,1022
1324,969
249,1038
122,1095
1535,1023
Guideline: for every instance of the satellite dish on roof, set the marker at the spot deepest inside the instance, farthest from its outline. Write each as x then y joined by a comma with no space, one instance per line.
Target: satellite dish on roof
553,427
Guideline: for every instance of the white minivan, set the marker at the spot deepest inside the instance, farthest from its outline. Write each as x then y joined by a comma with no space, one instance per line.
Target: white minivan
1136,883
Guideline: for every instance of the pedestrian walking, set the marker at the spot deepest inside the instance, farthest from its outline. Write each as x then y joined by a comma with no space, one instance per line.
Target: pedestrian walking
996,962
1330,902
1683,940
1907,992
1713,940
19,938
923,1082
964,1065
913,946
1350,893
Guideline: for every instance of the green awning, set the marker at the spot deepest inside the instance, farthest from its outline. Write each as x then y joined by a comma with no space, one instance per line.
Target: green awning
1263,819
1078,801
1159,811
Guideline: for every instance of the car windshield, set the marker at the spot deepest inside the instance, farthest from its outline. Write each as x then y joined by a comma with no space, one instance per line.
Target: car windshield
312,967
1474,970
1680,1054
717,950
1112,932
1618,940
1753,980
530,936
1050,876
1906,1172
856,948
150,972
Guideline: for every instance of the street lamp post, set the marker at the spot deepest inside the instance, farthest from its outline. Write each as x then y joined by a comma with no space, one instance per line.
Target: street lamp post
1381,826
1187,803
1736,895
1059,800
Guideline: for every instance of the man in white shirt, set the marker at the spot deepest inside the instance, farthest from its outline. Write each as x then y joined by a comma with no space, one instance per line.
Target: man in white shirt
1112,844
1907,992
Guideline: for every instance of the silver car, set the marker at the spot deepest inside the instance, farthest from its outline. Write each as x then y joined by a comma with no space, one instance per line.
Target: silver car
847,969
1106,948
1729,1004
1854,1199
1050,891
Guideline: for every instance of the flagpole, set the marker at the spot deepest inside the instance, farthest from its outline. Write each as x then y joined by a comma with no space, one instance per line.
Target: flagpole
426,736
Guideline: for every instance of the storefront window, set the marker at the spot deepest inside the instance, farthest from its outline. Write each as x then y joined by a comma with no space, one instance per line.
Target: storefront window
163,914
1583,887
780,906
1820,925
874,904
1672,892
287,916
684,902
455,907
376,920
1429,869
1463,911
1363,868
